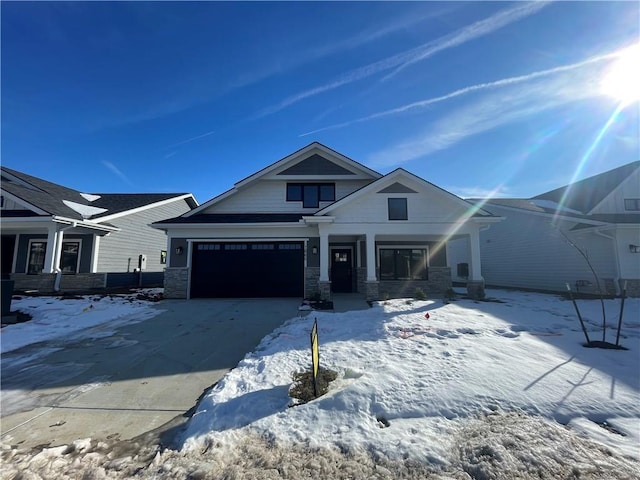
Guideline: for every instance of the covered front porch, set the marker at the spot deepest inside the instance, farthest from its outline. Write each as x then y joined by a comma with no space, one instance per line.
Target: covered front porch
37,251
390,261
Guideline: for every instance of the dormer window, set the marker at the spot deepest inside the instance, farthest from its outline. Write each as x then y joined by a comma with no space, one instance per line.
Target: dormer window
398,209
311,194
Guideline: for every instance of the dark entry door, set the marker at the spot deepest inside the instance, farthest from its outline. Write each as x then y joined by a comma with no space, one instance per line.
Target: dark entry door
8,243
341,270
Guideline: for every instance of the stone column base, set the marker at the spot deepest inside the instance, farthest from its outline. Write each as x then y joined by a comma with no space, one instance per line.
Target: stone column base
373,290
475,288
325,290
633,286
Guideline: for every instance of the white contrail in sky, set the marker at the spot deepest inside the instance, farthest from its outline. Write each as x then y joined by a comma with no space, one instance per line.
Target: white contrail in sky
192,139
117,171
475,30
463,91
470,32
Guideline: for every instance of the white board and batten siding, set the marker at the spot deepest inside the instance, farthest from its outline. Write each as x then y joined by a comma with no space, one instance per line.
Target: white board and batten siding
137,237
270,196
527,251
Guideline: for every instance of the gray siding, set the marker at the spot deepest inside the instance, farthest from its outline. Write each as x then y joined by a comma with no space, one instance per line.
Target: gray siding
527,251
119,251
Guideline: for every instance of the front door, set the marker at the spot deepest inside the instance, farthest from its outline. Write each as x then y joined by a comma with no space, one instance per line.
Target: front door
341,270
8,243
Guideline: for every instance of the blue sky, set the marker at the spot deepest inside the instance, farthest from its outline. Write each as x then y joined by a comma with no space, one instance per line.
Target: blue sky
480,98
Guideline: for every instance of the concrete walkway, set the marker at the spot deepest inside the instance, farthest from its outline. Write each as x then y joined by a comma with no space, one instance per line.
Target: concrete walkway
119,384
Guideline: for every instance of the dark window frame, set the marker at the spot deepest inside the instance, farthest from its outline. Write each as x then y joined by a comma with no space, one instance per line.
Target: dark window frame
311,194
401,253
397,208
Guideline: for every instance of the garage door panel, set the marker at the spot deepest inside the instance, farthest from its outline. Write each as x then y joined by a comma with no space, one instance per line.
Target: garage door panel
259,269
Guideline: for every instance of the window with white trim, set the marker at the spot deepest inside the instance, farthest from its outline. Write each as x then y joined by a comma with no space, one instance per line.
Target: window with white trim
37,252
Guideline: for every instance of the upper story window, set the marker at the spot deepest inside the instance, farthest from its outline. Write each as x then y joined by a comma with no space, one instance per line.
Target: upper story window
398,209
311,194
632,204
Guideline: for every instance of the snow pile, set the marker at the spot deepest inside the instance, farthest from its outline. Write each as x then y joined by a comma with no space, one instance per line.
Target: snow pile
58,317
409,384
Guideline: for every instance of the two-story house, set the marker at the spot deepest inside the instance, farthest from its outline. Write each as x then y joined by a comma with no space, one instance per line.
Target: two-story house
317,222
541,242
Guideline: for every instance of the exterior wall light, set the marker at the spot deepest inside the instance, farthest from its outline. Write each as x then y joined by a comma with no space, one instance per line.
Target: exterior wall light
634,248
314,250
179,250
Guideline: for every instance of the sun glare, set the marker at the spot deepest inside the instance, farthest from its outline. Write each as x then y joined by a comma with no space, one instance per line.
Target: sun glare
622,80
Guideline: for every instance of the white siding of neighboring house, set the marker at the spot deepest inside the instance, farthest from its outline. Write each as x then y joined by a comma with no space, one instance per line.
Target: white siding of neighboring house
629,262
614,203
270,196
137,237
527,251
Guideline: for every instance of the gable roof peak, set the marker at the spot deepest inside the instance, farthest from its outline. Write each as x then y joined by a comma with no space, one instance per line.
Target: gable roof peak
585,195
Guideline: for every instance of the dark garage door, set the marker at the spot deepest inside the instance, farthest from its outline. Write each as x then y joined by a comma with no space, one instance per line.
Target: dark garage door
265,269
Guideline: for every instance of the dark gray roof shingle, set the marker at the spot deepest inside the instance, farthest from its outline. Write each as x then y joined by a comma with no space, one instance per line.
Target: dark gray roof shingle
48,196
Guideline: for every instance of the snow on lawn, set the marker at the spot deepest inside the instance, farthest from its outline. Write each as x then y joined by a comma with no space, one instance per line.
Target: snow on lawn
408,384
54,317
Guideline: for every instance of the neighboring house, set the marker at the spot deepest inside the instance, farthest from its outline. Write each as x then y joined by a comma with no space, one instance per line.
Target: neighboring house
535,247
54,237
317,222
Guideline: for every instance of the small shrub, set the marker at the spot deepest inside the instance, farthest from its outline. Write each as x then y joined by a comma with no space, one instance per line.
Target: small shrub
450,294
302,388
419,294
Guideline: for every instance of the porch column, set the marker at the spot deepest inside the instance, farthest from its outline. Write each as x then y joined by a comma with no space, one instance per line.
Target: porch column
49,256
94,253
373,288
57,254
324,285
475,282
324,257
371,258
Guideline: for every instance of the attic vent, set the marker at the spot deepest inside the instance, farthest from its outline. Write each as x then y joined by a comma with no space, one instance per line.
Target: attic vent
397,188
316,165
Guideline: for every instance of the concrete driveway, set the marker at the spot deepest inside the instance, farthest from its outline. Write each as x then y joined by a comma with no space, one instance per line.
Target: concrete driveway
133,379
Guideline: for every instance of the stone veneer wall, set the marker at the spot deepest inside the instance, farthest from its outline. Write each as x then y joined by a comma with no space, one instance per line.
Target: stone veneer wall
176,282
311,281
83,281
361,279
633,287
439,282
45,282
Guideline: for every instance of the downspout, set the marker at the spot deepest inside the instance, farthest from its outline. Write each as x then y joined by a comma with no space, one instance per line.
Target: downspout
56,284
616,279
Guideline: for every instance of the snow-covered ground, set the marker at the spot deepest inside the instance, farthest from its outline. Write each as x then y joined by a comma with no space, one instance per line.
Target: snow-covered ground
407,383
476,390
55,317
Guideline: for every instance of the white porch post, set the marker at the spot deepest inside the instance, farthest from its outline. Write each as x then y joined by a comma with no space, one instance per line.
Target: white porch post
49,257
58,252
94,253
324,256
475,273
475,282
371,258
